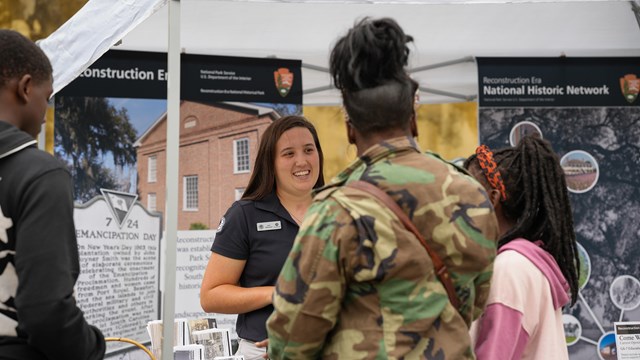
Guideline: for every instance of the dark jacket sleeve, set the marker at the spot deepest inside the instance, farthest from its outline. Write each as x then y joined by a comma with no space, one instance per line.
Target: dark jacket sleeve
47,266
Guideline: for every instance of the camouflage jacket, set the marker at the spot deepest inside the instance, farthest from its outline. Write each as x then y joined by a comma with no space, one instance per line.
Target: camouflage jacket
358,285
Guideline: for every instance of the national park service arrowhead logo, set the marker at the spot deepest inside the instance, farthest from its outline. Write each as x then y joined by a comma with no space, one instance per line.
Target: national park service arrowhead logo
119,203
630,86
284,81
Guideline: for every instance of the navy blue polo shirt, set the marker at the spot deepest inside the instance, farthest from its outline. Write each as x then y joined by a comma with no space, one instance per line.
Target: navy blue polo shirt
262,233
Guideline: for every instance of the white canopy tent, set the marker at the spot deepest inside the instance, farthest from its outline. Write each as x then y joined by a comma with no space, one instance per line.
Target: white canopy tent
454,33
448,35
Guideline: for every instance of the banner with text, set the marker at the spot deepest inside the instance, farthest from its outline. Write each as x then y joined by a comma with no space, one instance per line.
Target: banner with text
110,130
206,78
193,252
587,108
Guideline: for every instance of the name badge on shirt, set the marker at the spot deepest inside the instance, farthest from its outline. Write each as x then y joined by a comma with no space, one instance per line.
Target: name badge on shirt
268,226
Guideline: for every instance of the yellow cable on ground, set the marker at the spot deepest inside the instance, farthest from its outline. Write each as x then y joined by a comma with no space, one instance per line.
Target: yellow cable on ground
144,348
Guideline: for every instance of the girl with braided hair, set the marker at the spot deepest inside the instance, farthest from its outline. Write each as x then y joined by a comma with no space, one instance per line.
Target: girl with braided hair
536,270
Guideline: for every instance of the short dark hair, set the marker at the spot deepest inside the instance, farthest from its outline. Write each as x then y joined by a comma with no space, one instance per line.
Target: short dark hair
537,202
263,177
20,56
368,66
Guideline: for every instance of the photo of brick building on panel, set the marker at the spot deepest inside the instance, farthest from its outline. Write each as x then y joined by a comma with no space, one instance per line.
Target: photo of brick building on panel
218,146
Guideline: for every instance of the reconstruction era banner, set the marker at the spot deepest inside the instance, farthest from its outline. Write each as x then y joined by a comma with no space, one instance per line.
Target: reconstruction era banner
588,109
110,130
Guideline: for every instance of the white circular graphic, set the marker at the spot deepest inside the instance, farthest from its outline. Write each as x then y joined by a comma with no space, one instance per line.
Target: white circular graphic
585,267
625,292
522,129
607,346
572,329
581,171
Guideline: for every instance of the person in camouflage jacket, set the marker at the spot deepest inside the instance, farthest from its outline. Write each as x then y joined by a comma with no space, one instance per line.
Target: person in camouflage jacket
357,284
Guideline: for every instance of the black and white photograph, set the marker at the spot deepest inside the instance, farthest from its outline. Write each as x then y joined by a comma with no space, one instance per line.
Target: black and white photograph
625,292
216,342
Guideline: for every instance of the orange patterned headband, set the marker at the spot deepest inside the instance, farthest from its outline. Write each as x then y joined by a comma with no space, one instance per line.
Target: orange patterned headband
490,169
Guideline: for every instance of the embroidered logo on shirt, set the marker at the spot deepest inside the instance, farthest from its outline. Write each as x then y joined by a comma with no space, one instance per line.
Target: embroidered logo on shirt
267,226
221,225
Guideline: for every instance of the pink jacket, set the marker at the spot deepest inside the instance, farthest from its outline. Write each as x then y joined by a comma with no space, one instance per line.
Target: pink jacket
523,315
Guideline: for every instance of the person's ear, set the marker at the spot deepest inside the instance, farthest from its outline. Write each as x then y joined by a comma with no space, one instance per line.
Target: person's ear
351,135
24,88
494,197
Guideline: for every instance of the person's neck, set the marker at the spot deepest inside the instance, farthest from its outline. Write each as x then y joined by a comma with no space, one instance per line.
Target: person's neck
296,205
504,225
7,113
364,142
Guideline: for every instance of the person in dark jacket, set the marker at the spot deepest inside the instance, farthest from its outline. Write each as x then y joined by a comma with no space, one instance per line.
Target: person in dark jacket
39,266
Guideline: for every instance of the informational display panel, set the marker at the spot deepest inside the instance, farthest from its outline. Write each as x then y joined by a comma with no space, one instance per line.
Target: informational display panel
587,108
193,252
110,131
627,340
119,248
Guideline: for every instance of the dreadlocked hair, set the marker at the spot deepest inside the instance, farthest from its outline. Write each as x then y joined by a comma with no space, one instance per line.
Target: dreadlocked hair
368,66
538,203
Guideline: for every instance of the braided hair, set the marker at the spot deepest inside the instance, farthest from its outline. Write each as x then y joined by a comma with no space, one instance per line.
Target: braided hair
537,202
368,66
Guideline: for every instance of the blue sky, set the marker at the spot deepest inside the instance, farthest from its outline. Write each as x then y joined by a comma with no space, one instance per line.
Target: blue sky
579,155
142,112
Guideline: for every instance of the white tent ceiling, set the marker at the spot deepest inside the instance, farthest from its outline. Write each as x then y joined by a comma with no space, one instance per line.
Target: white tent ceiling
442,32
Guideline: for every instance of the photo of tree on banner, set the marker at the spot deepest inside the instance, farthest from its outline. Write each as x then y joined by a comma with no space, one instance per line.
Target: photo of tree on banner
94,136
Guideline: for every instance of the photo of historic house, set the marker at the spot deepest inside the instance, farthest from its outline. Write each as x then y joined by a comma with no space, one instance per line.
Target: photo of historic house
218,145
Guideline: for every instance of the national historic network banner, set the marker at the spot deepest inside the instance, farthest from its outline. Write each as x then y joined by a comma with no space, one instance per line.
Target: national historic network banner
588,109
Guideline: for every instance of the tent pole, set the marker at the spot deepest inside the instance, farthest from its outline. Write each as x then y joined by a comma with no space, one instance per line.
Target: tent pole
317,89
442,64
172,177
449,94
315,67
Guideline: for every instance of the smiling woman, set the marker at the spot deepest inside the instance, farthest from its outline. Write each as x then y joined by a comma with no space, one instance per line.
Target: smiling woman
256,234
296,164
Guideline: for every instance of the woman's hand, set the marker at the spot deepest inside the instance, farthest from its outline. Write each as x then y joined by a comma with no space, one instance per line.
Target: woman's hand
264,344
